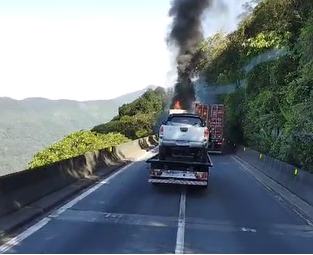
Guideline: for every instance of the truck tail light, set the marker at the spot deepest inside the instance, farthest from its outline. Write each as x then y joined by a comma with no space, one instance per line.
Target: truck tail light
206,132
200,175
155,172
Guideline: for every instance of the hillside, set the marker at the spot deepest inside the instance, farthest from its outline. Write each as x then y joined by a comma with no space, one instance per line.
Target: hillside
134,120
271,55
29,125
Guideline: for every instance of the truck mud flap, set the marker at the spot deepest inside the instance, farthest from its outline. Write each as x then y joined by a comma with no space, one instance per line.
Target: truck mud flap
179,182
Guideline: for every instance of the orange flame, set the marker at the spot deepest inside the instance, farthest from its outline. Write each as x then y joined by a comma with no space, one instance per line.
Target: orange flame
177,105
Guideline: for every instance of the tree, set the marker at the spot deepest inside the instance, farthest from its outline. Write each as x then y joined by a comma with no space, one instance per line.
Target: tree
139,118
248,8
274,113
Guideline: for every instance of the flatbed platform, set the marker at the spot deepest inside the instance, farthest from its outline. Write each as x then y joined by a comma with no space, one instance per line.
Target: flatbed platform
180,161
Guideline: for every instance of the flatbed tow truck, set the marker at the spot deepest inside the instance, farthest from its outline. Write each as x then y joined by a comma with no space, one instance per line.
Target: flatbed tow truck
179,170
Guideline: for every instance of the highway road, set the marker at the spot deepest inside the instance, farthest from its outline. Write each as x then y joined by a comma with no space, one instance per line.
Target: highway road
126,214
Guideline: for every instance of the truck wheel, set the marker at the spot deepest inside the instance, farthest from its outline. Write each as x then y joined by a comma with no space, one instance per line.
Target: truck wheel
204,187
155,186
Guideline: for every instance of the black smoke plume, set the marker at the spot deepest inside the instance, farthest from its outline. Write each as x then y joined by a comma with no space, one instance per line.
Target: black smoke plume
186,34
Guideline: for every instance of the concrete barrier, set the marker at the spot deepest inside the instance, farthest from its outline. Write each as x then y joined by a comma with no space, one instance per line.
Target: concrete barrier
20,189
130,150
296,180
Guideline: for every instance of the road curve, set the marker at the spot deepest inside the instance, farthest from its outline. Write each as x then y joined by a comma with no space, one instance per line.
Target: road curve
126,214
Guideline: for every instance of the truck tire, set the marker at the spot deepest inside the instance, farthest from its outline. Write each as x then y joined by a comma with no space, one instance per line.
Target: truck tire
155,186
204,187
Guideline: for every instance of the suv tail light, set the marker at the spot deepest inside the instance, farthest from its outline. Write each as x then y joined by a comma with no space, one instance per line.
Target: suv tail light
206,132
161,131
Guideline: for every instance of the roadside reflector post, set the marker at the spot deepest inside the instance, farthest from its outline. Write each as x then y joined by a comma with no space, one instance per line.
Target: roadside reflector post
261,156
110,149
244,149
296,171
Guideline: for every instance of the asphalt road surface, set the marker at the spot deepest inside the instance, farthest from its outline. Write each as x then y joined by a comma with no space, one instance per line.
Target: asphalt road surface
126,214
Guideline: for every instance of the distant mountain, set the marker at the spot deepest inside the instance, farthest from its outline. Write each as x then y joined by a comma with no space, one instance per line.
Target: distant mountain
27,126
133,95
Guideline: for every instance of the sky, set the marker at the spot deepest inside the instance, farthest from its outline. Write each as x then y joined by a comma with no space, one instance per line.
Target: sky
90,49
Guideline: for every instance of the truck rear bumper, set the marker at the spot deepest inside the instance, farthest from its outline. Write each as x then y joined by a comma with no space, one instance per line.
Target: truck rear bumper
175,144
179,182
215,151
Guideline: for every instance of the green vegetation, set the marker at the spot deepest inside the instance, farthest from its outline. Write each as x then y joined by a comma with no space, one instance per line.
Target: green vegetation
76,144
30,125
274,112
135,120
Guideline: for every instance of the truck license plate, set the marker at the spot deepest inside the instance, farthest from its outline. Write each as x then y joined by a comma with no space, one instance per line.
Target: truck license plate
182,143
181,175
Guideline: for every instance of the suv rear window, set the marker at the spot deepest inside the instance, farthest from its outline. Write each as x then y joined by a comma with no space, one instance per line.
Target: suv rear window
187,120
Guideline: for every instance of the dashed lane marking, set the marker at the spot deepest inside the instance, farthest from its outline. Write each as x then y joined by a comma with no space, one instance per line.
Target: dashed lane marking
184,223
180,238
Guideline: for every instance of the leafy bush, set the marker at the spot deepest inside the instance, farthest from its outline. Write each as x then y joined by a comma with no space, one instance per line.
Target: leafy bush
75,144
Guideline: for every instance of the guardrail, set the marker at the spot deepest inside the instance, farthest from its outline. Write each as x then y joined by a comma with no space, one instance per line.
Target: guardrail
19,190
296,180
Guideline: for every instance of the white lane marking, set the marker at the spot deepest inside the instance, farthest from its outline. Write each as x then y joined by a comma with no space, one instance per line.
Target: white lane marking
94,188
171,222
34,228
180,238
248,230
28,232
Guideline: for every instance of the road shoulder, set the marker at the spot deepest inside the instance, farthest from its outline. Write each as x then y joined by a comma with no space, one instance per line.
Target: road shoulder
303,209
